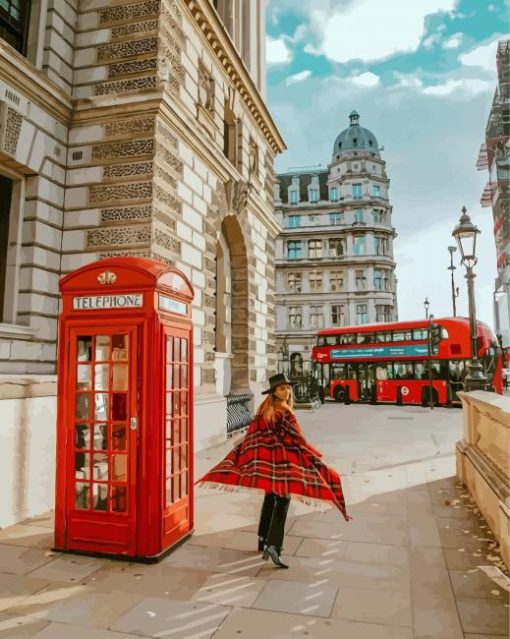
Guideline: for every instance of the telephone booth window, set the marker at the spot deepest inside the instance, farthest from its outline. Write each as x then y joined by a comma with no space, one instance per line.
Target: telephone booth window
177,419
100,442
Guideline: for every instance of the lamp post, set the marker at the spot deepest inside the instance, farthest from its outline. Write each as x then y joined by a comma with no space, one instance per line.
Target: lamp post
283,354
452,268
426,303
465,234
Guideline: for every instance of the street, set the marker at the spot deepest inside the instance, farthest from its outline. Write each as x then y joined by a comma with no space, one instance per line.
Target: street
417,561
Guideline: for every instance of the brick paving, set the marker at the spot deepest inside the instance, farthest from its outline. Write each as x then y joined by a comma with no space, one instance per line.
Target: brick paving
417,562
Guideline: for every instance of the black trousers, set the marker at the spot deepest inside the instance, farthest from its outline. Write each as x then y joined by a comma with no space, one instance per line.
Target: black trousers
272,519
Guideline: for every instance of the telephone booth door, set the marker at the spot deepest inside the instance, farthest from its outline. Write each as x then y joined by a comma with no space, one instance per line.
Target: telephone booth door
102,461
177,506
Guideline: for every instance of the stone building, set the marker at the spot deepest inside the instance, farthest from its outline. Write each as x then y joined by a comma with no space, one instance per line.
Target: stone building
334,257
495,156
131,128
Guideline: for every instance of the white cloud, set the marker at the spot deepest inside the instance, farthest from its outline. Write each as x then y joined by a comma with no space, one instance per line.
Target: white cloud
483,56
471,86
367,79
298,77
356,31
277,51
309,48
453,42
407,81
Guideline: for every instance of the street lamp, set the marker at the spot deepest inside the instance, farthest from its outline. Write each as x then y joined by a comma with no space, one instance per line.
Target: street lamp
426,303
452,268
465,234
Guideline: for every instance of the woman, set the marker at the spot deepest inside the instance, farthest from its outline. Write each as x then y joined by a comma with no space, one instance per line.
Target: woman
274,456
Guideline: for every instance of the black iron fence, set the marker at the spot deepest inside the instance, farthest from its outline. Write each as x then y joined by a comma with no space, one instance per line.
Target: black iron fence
238,414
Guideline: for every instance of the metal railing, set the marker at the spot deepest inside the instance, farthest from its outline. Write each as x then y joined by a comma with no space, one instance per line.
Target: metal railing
238,414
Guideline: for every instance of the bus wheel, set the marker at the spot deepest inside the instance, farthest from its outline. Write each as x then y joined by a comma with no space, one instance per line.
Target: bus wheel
339,394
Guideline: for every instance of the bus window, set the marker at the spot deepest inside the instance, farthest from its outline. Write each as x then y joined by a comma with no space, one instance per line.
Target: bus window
347,338
381,371
331,340
403,370
338,371
455,370
351,372
420,333
321,341
436,370
420,370
444,333
399,336
365,338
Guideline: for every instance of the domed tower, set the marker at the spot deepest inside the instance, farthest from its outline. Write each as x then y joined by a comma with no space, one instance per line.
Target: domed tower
357,176
334,256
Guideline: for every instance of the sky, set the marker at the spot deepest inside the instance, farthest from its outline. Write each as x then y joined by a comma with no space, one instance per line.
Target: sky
421,74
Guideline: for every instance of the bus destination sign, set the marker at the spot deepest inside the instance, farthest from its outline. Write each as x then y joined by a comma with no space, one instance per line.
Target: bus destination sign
408,350
106,302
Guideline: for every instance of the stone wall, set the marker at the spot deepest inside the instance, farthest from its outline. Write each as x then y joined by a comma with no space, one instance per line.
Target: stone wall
483,460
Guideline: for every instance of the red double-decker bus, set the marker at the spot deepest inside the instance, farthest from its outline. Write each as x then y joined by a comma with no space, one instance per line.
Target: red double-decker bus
421,362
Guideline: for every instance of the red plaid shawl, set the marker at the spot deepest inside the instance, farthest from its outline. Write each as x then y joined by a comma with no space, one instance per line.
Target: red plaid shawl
277,458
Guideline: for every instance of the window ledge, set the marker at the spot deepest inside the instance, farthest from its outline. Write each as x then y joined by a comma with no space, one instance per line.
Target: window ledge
16,331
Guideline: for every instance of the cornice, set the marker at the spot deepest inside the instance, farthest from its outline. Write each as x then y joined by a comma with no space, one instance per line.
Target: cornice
208,21
32,84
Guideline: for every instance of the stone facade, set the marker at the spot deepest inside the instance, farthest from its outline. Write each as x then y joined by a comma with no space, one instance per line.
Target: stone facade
140,128
334,257
495,157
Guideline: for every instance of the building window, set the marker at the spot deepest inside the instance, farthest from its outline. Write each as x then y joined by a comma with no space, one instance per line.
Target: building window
358,215
336,247
378,284
294,282
295,317
293,197
336,281
316,317
335,219
315,281
337,315
14,19
361,281
361,314
382,313
333,194
356,191
376,190
378,216
359,245
294,221
314,248
5,211
381,245
294,250
230,134
314,195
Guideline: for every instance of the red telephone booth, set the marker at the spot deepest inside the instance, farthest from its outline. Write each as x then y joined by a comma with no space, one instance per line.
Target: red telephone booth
124,484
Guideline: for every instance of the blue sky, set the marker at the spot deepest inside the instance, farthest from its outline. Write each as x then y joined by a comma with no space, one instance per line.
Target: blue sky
422,74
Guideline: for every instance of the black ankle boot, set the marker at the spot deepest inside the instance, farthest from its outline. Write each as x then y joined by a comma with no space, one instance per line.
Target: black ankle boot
274,553
262,544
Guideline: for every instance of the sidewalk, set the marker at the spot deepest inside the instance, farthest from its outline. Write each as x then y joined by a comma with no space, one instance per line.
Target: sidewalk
412,565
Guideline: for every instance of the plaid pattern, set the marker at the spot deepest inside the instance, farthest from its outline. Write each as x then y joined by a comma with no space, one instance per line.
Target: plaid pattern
277,458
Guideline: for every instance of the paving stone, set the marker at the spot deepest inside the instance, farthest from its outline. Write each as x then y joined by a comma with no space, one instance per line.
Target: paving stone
214,559
15,588
72,631
69,568
77,604
19,560
254,624
321,548
484,617
156,617
17,627
297,597
383,607
229,590
240,540
477,585
27,535
377,553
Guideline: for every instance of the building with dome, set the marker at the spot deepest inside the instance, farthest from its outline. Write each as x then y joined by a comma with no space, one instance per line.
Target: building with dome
334,257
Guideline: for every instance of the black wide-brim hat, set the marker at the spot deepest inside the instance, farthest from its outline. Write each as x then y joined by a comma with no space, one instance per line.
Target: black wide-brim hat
277,380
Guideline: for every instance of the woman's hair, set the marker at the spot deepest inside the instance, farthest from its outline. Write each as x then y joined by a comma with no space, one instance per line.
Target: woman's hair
266,409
